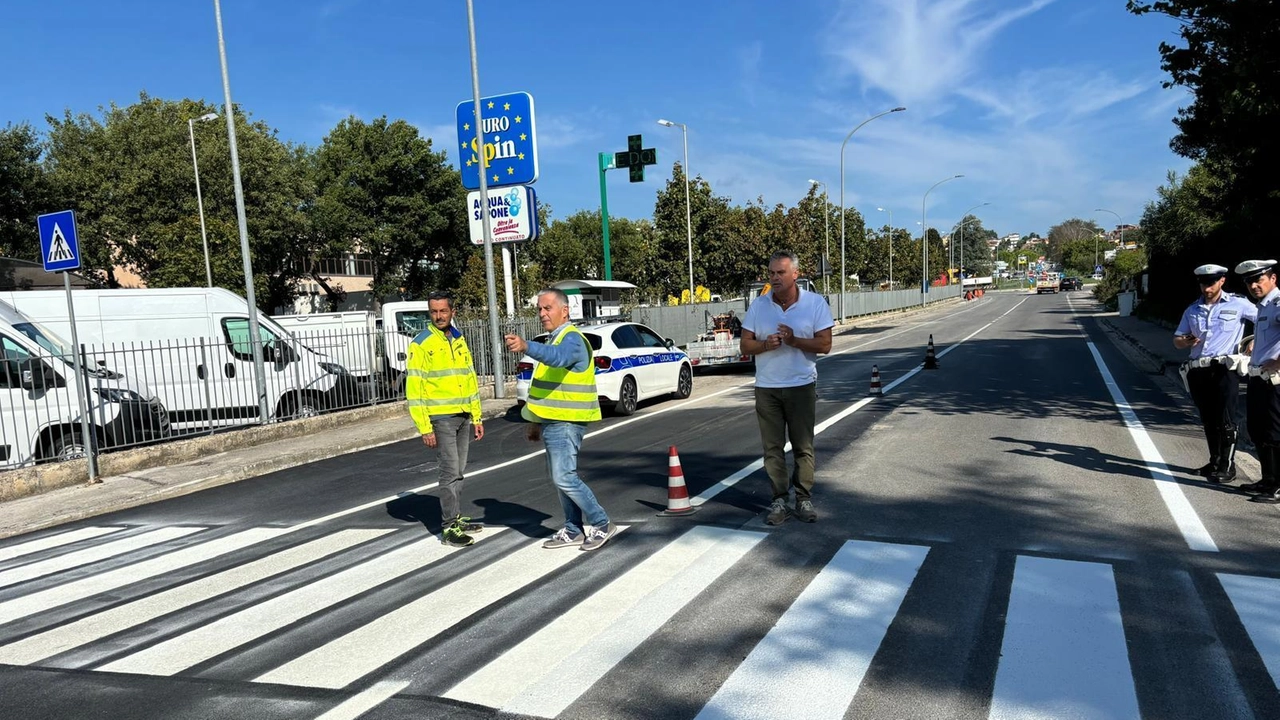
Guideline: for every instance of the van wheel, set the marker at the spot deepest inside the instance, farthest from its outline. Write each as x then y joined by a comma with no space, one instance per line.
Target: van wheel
626,404
294,407
65,446
684,386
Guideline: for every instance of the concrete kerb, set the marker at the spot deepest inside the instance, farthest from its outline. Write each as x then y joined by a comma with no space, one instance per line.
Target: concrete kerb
29,481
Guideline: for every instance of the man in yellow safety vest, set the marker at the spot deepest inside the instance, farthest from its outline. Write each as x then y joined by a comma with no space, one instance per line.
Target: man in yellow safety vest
444,402
562,400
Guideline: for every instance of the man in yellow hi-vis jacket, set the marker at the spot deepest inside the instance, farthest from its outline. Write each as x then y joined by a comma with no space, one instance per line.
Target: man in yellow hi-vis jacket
562,400
444,402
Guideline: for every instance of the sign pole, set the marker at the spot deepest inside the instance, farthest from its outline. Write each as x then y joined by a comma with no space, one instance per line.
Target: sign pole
506,277
495,334
606,163
86,435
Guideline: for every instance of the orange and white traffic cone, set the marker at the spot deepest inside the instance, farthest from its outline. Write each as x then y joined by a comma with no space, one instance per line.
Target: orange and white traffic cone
875,381
677,494
930,360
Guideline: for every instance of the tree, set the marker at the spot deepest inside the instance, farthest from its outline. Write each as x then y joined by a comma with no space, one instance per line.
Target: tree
1228,61
972,237
1069,231
24,192
382,191
717,258
128,176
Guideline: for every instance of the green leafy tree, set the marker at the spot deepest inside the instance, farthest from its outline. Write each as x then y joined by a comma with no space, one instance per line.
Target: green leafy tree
382,191
717,258
1070,231
973,237
24,192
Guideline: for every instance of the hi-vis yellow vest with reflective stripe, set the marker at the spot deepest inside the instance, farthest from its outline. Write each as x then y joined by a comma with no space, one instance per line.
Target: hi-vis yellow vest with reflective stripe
440,379
561,393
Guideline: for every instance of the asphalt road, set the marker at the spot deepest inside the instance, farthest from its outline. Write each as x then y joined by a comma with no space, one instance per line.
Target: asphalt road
1018,533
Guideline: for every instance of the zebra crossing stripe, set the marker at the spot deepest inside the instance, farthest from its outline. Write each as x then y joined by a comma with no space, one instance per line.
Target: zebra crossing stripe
93,554
1257,602
550,669
1064,652
344,660
95,627
60,595
818,653
208,641
54,541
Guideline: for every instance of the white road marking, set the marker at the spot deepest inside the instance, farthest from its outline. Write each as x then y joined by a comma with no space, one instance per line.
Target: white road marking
208,641
1064,653
817,655
550,669
95,627
94,554
358,705
1184,515
53,541
1257,602
342,661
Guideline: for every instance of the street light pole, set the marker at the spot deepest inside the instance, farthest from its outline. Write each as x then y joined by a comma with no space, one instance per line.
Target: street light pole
924,240
688,213
255,342
890,245
204,240
844,274
826,252
1095,241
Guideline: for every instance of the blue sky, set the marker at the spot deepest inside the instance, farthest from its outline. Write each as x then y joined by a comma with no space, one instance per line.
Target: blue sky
1050,108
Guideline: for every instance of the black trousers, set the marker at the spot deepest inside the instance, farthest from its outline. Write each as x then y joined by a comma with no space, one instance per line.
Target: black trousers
1263,407
1216,392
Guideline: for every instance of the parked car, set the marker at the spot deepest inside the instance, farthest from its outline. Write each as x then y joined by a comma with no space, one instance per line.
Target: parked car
633,363
1071,283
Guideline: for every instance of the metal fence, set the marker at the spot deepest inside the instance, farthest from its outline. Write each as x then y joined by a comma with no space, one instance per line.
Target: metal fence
146,392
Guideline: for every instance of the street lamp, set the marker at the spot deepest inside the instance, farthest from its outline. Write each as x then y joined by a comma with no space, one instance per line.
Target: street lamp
1095,239
924,240
890,245
688,213
843,273
826,253
963,222
204,240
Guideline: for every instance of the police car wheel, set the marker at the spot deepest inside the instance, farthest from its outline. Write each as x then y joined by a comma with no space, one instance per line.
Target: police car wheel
626,404
684,386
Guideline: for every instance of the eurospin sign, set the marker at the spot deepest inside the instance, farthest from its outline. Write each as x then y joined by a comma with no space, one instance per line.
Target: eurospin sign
510,152
513,215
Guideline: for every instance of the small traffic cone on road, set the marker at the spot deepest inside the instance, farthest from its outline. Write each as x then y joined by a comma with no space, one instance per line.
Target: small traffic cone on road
875,382
930,360
677,494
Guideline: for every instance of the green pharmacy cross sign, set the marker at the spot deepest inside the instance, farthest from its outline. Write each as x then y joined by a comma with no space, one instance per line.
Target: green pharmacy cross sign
635,159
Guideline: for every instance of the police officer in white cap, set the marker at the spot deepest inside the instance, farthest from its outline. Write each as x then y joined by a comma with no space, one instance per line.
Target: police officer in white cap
1212,328
1263,400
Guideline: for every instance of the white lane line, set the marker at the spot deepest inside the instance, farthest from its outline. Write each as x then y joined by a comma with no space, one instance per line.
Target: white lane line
208,641
66,538
550,669
601,431
1257,602
342,661
1184,515
733,479
819,652
95,627
93,554
1064,653
358,705
124,576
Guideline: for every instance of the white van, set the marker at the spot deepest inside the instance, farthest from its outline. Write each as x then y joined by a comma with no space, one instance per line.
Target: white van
350,338
40,399
192,345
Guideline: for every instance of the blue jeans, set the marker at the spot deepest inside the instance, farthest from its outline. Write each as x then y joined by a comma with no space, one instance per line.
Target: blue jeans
562,440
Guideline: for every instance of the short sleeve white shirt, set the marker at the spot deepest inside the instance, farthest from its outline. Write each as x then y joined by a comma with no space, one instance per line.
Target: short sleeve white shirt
787,366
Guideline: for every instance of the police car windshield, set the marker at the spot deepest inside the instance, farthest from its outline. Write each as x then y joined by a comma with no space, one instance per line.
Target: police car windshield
45,338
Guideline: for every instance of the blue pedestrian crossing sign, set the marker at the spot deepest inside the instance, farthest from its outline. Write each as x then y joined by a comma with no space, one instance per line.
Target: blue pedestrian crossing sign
59,247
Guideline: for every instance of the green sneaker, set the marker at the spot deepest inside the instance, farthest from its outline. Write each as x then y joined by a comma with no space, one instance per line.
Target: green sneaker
467,525
454,535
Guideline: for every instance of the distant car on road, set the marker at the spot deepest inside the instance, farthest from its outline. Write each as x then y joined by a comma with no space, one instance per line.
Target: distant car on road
1071,283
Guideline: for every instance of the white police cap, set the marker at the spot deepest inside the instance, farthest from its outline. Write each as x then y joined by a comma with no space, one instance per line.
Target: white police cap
1210,270
1250,268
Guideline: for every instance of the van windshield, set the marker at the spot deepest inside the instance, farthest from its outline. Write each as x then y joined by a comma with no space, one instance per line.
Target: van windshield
45,338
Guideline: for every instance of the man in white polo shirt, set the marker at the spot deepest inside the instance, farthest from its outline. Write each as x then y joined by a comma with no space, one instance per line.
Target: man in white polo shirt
786,329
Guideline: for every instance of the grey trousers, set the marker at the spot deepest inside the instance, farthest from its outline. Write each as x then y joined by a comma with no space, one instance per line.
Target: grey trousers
788,414
453,439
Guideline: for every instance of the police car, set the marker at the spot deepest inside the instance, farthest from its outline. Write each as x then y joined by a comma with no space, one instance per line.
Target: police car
633,363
